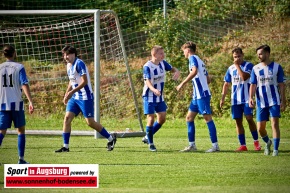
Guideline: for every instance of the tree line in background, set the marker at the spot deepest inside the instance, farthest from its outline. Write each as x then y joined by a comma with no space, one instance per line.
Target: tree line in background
209,23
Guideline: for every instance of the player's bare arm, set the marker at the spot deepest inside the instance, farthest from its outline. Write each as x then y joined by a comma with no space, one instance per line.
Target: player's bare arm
151,87
191,75
282,95
176,73
27,93
224,93
251,95
84,82
244,75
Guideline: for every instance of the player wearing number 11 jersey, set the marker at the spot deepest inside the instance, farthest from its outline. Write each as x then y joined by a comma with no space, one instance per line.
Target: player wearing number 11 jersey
12,81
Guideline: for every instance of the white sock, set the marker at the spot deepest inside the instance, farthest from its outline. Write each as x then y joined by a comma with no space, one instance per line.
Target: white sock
191,143
110,138
65,145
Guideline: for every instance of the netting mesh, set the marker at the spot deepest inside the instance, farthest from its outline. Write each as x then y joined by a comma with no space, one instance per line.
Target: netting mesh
38,41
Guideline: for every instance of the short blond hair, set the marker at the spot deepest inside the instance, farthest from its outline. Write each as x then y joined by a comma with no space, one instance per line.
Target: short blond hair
155,49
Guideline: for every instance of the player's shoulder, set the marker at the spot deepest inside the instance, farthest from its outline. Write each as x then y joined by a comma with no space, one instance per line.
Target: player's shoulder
16,65
148,64
258,66
248,64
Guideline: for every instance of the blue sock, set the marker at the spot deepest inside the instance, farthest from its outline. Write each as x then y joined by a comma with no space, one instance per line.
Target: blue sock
255,135
190,131
21,145
276,143
212,131
242,139
1,138
149,132
156,127
266,139
65,137
105,133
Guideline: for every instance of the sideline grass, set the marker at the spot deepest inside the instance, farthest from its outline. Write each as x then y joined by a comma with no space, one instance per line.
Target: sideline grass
132,168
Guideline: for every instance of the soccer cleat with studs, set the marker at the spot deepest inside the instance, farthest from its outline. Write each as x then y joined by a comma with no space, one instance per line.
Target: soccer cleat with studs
152,148
63,149
189,148
268,148
257,145
22,161
213,149
145,140
242,148
111,144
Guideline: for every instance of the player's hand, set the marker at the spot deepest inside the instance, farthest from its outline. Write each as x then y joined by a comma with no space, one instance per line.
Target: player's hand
176,75
31,108
251,103
222,103
282,106
66,97
157,92
179,87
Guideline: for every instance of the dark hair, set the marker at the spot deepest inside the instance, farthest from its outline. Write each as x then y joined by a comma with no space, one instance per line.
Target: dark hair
8,51
189,45
265,48
69,50
237,50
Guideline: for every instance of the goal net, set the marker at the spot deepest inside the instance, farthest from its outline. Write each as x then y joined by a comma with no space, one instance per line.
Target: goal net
38,37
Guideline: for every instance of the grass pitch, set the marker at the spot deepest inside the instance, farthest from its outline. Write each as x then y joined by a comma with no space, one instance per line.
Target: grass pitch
131,167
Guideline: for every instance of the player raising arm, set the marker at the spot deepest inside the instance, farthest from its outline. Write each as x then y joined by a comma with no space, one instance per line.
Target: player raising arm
238,75
154,72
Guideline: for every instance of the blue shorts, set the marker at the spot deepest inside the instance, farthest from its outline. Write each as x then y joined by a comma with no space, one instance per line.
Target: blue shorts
239,110
264,113
152,108
84,106
7,117
202,106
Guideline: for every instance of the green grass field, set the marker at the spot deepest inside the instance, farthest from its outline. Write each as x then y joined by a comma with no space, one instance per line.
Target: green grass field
131,167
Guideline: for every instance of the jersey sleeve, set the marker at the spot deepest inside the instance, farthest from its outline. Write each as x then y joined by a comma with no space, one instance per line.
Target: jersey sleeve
249,68
280,75
22,77
146,73
228,77
253,78
81,68
193,62
167,66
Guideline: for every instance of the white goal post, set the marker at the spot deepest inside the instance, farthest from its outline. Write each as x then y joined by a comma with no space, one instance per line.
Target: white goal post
92,40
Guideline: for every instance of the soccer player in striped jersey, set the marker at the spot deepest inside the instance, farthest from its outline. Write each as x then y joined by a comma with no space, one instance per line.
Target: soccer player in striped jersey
267,83
201,98
79,98
12,81
154,72
238,74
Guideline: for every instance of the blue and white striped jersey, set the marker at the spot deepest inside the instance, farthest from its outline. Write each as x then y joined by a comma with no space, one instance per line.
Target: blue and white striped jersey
156,75
199,82
240,88
13,76
267,78
75,71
